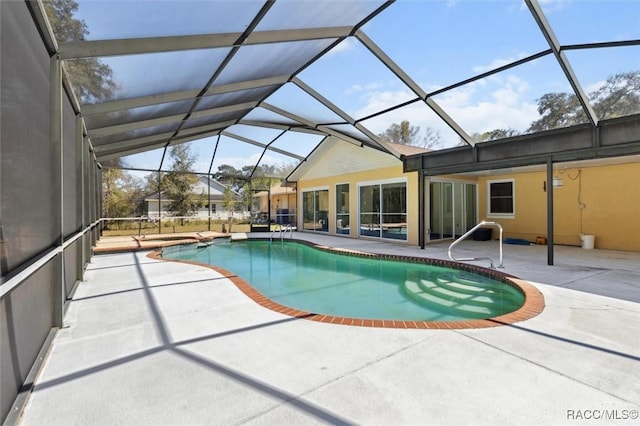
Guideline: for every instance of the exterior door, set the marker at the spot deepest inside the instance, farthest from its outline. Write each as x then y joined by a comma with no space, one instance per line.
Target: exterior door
452,209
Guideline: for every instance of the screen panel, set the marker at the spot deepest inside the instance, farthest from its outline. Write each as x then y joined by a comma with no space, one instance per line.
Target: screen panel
26,154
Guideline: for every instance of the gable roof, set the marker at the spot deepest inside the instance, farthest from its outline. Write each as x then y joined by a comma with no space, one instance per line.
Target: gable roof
403,149
336,157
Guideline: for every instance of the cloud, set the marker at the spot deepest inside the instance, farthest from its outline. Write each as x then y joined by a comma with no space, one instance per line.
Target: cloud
201,165
512,90
502,102
369,87
380,100
493,103
237,161
550,6
594,86
496,63
347,45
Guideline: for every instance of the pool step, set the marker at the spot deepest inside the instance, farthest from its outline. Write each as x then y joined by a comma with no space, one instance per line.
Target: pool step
463,277
463,294
452,305
461,283
483,298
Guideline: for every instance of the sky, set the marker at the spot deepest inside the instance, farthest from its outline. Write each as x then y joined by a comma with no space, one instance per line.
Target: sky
436,42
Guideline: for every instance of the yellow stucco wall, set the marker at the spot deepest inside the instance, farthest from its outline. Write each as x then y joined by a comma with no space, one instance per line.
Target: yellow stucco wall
611,199
353,179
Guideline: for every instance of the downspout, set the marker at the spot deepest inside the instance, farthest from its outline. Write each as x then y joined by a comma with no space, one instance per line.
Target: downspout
549,211
159,199
421,207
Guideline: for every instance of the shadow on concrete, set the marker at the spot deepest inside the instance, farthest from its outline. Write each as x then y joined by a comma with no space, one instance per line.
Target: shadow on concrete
571,341
175,347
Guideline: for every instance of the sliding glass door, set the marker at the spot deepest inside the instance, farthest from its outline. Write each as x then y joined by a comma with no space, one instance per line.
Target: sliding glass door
315,207
383,210
452,209
342,209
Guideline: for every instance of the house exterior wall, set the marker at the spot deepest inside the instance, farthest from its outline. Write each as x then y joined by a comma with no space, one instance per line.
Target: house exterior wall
354,179
204,188
152,208
202,213
610,195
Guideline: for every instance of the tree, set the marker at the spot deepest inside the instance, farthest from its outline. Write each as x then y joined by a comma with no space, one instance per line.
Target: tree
229,203
92,80
121,192
178,183
264,176
403,133
618,96
431,139
230,176
154,183
406,134
494,134
558,110
113,197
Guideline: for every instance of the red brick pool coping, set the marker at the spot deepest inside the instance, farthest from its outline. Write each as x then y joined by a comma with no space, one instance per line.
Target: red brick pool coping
532,306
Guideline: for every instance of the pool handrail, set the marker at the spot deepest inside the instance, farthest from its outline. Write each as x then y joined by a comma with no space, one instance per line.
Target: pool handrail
282,232
469,232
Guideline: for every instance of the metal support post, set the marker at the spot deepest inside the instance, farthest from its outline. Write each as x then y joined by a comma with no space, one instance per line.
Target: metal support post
549,211
57,187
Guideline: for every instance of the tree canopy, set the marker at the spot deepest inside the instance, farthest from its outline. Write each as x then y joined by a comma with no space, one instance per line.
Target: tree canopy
238,179
558,110
617,97
494,134
178,183
93,79
407,134
121,192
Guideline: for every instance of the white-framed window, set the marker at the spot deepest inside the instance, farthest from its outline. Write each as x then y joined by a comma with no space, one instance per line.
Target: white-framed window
501,198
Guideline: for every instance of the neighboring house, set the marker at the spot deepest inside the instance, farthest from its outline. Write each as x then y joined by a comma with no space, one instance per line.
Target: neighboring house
361,192
206,188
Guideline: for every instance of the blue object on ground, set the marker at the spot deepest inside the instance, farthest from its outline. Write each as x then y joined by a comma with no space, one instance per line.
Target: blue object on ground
518,241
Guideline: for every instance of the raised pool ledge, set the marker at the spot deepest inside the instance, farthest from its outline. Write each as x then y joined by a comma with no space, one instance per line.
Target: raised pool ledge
533,299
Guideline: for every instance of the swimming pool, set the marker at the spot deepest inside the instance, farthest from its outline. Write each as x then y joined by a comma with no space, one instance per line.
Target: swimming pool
324,282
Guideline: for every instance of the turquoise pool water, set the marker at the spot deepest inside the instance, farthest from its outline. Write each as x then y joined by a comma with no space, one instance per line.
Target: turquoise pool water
305,278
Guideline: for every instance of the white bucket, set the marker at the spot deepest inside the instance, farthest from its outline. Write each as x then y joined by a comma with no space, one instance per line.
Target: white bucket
588,241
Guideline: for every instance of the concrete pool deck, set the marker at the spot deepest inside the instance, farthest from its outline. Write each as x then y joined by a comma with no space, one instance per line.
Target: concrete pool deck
153,342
